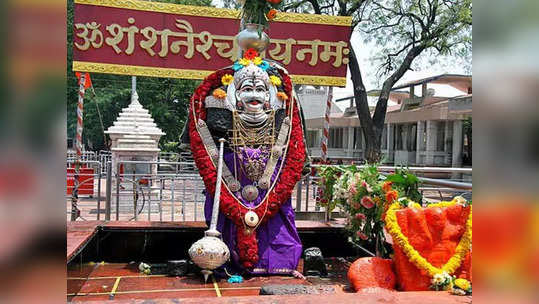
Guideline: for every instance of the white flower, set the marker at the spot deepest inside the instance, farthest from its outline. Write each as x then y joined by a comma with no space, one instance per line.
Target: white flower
441,279
438,279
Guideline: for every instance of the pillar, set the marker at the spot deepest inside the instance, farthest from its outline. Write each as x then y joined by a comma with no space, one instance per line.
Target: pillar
448,141
457,144
350,148
432,138
420,141
390,142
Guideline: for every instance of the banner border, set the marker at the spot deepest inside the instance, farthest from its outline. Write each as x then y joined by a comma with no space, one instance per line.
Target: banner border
206,11
119,69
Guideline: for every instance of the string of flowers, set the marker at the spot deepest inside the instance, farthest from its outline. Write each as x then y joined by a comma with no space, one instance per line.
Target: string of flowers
441,277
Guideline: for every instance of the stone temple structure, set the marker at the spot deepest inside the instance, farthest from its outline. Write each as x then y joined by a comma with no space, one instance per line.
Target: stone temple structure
135,137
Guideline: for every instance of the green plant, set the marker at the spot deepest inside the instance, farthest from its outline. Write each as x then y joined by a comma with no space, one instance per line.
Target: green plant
407,184
363,194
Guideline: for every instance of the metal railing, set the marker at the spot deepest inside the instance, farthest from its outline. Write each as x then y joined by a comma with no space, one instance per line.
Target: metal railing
85,178
174,191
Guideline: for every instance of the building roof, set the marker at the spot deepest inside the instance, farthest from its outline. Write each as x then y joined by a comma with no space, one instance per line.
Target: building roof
458,81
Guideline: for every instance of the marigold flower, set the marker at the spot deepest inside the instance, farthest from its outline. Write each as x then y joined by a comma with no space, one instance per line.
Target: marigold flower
386,187
367,202
271,14
282,96
462,284
244,61
250,54
227,79
219,94
276,81
257,60
391,196
274,1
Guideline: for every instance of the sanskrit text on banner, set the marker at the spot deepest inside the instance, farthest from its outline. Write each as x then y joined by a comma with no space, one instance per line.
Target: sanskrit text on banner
153,43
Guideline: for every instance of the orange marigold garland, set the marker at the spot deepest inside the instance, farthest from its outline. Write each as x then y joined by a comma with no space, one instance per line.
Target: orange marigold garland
229,206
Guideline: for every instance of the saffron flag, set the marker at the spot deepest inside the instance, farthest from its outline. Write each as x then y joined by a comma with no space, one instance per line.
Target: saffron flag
87,79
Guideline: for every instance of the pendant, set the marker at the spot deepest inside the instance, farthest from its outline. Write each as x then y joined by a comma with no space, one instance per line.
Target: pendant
251,219
249,192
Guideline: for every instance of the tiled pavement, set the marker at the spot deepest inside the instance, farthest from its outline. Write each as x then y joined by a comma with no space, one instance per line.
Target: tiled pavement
97,282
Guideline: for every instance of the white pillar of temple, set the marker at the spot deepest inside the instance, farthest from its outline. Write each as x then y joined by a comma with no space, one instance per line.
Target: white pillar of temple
350,148
432,137
457,144
390,144
420,141
447,142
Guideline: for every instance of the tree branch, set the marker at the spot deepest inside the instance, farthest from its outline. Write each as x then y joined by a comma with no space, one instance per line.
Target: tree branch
316,6
293,6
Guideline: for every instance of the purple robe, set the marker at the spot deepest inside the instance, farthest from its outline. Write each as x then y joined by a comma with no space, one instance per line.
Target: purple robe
279,245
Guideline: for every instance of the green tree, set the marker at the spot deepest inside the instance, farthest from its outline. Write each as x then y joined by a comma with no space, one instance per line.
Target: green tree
165,98
404,30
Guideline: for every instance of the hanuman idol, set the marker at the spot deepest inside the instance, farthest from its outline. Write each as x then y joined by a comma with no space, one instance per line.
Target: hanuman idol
252,106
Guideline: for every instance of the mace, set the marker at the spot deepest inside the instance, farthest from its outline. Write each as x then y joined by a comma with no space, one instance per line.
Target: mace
210,252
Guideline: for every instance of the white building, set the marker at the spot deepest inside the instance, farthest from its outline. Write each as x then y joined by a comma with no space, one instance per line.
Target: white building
424,124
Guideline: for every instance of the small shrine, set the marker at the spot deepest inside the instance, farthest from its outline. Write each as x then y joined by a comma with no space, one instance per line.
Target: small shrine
135,137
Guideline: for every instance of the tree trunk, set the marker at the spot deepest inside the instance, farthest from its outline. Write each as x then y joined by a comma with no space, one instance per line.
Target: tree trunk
372,153
372,139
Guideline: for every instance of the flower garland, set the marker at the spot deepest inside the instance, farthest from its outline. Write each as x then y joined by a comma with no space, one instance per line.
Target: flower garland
439,275
282,190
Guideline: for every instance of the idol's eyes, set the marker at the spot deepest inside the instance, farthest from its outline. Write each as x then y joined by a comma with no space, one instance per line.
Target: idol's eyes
247,88
260,89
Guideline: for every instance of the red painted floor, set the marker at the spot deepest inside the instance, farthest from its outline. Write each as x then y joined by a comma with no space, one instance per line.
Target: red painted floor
123,283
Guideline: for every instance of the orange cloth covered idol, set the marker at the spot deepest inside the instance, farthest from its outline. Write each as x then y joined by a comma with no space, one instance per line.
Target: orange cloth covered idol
434,232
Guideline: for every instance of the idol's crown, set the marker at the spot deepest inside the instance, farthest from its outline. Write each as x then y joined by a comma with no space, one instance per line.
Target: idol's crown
251,71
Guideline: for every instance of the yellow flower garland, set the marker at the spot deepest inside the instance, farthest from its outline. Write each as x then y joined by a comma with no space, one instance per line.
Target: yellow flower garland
414,257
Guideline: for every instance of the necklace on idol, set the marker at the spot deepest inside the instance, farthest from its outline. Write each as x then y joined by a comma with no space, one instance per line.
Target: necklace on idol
244,140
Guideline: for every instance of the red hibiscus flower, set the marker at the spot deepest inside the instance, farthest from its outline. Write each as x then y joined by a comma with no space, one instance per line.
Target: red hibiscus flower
250,54
367,202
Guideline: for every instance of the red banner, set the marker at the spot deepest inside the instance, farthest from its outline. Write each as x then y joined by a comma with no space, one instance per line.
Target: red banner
145,38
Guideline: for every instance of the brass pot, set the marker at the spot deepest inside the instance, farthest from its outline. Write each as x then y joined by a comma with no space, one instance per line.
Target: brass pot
253,36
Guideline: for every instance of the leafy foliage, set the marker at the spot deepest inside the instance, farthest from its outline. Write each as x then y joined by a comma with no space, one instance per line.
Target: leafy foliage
407,184
364,194
254,11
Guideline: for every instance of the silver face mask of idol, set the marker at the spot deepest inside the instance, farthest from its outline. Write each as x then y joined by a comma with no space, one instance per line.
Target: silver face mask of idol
253,94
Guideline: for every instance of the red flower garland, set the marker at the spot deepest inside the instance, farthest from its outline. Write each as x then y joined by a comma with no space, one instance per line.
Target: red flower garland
290,174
